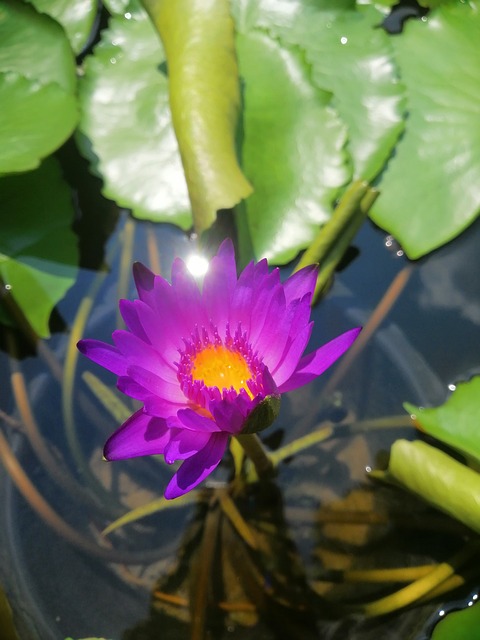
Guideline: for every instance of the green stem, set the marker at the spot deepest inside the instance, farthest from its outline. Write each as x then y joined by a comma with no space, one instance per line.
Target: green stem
328,234
254,449
301,443
335,236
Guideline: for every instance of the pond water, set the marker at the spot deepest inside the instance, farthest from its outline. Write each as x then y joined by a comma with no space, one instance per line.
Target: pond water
318,520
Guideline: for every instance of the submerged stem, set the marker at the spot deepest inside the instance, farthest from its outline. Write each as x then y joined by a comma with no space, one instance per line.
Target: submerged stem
300,444
423,586
254,449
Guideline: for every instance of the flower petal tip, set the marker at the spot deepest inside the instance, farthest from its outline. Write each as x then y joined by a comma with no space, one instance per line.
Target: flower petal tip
143,277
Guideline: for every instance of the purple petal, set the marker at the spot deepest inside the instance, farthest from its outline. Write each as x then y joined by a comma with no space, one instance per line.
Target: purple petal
193,421
140,435
138,352
198,467
316,363
242,298
267,298
292,355
163,330
132,389
275,341
104,354
219,285
156,385
129,313
188,296
247,290
260,272
152,404
144,281
300,283
184,444
162,408
231,415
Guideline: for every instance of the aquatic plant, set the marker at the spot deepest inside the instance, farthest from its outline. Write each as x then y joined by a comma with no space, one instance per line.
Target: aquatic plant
202,361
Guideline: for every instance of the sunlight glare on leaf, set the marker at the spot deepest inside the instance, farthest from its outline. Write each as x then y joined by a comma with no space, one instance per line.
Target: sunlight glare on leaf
125,125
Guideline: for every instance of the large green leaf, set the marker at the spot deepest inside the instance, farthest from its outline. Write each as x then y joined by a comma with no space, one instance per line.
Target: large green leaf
35,46
459,625
35,120
457,421
37,87
433,475
126,125
435,3
199,42
122,7
353,58
76,17
429,192
350,67
38,250
273,14
292,149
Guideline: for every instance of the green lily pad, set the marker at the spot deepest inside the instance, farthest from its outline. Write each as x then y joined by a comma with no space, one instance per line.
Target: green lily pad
37,87
76,17
273,14
121,7
429,192
126,125
431,4
292,149
459,625
35,46
381,4
38,250
457,421
350,73
353,58
434,476
35,120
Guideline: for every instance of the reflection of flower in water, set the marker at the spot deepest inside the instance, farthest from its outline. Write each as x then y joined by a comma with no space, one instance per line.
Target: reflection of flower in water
201,360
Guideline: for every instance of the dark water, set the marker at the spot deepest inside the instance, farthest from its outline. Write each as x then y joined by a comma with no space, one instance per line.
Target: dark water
428,341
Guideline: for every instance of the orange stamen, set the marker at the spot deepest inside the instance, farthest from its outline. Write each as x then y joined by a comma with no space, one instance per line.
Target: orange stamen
217,366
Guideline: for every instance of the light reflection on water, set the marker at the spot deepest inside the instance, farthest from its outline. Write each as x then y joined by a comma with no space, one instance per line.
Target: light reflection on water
72,592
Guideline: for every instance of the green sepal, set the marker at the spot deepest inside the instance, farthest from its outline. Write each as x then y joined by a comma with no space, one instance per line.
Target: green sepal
263,415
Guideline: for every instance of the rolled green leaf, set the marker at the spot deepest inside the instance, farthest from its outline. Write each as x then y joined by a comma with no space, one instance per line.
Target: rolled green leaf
198,38
437,478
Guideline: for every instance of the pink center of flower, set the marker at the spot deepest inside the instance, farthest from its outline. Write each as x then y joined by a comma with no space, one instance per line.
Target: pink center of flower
214,368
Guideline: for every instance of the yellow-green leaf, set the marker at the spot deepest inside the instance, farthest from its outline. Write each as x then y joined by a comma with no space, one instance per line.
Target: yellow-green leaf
198,38
433,475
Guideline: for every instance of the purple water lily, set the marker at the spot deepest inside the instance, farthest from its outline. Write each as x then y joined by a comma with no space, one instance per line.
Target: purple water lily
202,359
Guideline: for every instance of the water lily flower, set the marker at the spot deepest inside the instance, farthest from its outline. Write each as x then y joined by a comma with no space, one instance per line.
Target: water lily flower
201,359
